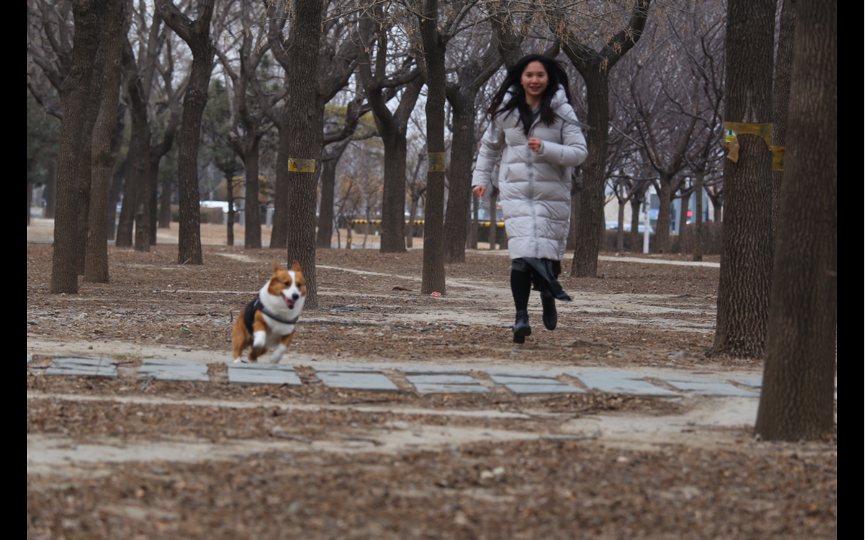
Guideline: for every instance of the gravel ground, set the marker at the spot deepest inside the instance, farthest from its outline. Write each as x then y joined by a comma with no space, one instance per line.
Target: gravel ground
148,459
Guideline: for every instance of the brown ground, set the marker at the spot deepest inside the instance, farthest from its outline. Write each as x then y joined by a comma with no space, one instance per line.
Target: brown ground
139,458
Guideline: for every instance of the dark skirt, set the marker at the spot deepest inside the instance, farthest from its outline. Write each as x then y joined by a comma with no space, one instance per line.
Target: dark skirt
544,275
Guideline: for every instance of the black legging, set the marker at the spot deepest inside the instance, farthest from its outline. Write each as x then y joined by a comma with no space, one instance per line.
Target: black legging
521,287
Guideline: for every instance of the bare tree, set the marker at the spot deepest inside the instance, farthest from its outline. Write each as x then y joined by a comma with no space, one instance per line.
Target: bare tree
72,78
196,34
594,66
797,397
392,126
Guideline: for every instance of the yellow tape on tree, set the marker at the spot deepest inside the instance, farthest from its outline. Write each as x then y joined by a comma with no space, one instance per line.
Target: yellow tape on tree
777,158
731,129
437,162
301,165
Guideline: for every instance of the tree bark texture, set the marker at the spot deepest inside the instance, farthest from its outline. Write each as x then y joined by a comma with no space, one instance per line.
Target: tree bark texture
279,229
96,262
196,34
433,275
698,221
74,97
796,401
306,111
252,232
746,259
781,98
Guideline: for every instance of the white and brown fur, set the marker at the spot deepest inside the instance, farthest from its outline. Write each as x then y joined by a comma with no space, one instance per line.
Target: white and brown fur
283,295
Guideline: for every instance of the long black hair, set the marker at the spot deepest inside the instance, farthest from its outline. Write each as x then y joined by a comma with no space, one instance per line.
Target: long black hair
556,76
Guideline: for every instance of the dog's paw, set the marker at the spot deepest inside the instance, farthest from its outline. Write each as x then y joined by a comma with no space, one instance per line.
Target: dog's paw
260,338
240,360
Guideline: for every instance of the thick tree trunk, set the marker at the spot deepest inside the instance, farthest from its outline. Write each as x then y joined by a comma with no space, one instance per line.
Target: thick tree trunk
74,97
781,98
620,230
796,401
746,259
85,166
393,192
96,263
306,111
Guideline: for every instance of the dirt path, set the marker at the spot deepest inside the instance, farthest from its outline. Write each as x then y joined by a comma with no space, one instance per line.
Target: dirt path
127,457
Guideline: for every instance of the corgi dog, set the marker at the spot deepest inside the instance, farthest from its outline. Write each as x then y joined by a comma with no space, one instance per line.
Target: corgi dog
271,319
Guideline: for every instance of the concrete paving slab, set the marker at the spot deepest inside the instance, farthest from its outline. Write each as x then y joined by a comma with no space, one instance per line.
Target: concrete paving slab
262,374
375,382
620,383
430,370
541,389
348,368
706,387
163,369
80,366
518,373
423,388
505,379
442,379
750,382
29,357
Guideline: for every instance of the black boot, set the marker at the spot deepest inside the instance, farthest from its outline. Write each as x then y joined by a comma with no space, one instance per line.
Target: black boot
551,318
521,327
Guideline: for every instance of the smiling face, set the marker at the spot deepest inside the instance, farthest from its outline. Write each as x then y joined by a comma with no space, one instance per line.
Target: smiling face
534,81
289,285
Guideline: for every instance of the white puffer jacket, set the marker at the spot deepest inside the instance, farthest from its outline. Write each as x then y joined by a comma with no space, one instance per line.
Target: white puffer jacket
535,188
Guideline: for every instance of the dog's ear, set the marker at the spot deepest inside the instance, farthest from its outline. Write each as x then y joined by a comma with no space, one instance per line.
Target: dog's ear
276,267
295,266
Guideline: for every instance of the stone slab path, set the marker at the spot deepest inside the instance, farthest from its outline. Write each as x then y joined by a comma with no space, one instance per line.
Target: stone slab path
426,379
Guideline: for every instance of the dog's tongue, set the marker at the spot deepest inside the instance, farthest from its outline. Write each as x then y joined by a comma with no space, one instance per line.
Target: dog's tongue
289,303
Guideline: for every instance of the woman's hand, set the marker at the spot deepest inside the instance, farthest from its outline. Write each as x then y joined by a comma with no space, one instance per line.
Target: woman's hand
479,191
535,144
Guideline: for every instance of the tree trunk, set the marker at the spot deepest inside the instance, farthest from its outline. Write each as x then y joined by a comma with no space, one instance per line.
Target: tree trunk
393,191
74,97
328,183
96,262
85,164
636,202
197,35
585,260
164,219
796,401
252,232
279,230
683,219
117,179
698,222
781,98
305,142
620,230
746,259
662,227
460,176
